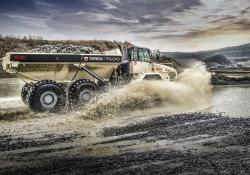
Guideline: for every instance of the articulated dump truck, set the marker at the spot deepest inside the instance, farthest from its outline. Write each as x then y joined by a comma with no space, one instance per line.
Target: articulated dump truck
56,81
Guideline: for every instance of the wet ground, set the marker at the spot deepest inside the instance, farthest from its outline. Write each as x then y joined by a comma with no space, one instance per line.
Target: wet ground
192,143
150,142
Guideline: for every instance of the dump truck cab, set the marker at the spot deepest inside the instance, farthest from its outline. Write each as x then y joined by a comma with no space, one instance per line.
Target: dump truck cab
139,62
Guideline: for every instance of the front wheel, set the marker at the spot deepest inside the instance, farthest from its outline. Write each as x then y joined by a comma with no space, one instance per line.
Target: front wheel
81,92
47,95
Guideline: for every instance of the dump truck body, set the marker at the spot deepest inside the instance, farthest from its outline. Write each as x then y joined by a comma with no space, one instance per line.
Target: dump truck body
59,67
56,80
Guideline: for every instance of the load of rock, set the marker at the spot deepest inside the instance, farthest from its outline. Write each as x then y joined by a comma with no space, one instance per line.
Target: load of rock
62,48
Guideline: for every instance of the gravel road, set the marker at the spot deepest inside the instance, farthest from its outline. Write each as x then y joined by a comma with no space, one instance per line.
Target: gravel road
190,143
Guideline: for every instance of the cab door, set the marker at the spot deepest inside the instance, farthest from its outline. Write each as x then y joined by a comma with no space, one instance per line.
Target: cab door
141,61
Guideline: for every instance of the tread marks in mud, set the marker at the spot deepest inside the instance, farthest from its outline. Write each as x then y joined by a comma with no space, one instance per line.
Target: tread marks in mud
55,91
80,92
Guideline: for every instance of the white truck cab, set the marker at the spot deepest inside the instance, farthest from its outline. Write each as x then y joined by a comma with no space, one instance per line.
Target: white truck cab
141,63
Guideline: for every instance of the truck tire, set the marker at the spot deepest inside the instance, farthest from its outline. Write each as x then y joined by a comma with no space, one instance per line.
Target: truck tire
47,96
25,93
81,92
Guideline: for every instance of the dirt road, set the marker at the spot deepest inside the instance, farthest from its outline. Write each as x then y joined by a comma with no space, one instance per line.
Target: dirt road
191,143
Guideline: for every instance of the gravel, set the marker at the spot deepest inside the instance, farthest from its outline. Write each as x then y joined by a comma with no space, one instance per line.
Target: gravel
61,48
190,143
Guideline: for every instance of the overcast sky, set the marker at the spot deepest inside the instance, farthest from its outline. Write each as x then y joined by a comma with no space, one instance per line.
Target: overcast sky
170,25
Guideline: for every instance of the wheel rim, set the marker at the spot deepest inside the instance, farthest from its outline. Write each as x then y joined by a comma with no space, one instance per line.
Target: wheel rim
48,99
85,96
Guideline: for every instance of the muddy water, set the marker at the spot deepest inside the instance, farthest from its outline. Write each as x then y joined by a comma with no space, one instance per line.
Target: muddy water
230,100
10,89
191,91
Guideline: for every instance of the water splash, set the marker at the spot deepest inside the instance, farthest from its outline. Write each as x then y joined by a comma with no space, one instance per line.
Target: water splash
191,89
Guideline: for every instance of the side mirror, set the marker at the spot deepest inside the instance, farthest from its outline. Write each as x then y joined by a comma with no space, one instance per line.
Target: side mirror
158,54
155,55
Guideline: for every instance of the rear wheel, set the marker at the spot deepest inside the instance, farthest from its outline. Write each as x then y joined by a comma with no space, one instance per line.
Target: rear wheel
81,92
47,95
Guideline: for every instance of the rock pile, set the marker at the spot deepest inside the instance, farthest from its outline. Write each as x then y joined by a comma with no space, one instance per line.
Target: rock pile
61,48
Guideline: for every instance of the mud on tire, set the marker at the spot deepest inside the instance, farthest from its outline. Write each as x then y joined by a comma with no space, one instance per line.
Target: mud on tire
47,95
25,93
81,92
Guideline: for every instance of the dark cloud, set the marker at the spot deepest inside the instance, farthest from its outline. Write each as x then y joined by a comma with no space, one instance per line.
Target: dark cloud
17,6
135,20
221,19
128,9
184,5
233,27
242,25
154,20
186,35
143,20
137,10
246,11
75,5
159,9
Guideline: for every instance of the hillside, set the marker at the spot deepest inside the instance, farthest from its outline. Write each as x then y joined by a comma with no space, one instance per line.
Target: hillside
236,53
11,44
176,65
220,59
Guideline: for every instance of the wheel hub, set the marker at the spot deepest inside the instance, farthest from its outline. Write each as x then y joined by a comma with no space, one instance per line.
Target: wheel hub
85,96
48,99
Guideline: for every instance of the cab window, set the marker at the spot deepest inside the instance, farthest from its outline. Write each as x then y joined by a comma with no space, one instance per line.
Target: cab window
135,54
125,54
141,54
129,54
146,55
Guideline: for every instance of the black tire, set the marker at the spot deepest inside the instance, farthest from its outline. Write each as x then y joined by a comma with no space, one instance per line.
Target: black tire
25,93
81,92
47,96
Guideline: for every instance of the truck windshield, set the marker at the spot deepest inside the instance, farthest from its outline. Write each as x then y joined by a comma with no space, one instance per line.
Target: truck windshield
135,54
146,55
141,55
131,54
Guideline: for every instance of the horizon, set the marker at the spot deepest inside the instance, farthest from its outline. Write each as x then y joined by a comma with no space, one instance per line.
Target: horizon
76,40
171,26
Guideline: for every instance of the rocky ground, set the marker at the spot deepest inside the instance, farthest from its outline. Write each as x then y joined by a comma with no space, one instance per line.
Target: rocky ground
191,143
218,79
